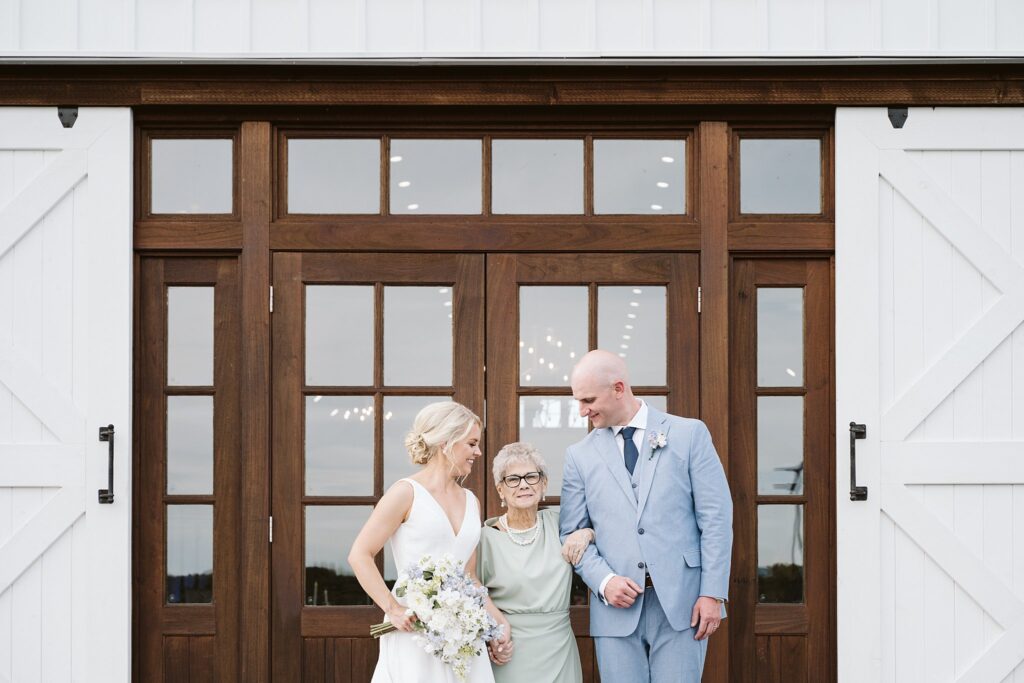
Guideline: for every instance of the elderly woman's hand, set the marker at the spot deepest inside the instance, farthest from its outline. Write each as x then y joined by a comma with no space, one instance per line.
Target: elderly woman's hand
500,649
500,654
576,544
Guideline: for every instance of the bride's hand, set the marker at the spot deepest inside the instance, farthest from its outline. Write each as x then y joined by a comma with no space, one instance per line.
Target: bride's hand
576,544
401,617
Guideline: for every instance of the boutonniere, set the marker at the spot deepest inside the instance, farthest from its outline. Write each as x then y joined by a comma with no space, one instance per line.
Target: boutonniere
656,440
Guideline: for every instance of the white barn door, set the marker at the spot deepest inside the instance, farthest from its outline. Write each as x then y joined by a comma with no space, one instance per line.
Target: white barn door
65,370
930,357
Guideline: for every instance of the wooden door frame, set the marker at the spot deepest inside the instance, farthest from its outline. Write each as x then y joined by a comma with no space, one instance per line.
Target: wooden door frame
292,271
253,238
815,617
203,638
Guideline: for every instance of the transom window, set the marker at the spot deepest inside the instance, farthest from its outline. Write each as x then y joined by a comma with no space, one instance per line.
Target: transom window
485,175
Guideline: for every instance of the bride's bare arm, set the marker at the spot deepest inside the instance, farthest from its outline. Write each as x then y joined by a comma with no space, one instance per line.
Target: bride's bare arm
386,517
500,650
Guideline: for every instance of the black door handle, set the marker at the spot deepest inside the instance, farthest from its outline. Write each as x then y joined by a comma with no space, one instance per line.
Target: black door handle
856,432
107,495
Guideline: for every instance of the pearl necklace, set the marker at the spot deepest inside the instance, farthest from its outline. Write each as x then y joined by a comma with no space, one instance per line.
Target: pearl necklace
510,531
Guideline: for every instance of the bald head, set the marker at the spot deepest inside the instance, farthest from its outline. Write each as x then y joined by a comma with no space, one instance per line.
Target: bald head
600,367
600,384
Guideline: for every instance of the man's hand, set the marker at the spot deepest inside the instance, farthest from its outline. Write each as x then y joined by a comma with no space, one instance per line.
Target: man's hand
707,616
621,591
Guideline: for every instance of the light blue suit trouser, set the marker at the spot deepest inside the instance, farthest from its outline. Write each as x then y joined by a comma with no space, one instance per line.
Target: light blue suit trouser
654,652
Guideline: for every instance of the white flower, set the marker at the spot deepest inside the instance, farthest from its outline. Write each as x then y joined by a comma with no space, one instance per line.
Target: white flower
656,440
452,623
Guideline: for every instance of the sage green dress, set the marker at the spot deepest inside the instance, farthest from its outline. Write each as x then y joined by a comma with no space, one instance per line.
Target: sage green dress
531,585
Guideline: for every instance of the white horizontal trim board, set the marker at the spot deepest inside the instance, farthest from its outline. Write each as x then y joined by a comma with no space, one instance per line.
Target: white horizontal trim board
65,359
553,28
930,346
45,465
964,462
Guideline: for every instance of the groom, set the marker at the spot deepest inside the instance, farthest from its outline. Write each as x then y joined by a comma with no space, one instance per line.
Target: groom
652,488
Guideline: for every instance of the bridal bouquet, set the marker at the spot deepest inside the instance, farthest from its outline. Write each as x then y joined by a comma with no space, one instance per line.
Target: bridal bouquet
452,623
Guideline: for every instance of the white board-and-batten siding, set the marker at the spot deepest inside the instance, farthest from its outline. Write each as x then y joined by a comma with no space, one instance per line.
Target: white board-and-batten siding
517,28
65,340
937,296
938,377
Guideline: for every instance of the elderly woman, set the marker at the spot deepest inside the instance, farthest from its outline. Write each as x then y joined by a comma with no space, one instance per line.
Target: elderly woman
529,573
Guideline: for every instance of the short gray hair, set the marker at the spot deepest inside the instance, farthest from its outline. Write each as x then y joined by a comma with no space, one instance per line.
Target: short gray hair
518,452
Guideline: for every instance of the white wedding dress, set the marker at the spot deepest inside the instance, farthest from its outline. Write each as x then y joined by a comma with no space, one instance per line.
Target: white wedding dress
428,531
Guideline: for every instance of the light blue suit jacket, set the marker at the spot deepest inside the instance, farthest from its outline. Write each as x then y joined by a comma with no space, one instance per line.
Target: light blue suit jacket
678,525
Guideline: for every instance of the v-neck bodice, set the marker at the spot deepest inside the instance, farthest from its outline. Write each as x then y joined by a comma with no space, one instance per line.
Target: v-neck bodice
428,531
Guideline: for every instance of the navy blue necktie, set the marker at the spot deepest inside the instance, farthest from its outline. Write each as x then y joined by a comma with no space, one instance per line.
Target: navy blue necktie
629,448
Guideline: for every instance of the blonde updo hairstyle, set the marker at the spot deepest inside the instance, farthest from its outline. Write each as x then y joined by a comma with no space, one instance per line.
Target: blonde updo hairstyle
436,428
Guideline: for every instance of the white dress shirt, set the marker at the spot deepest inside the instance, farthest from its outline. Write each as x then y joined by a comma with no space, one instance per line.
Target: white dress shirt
640,422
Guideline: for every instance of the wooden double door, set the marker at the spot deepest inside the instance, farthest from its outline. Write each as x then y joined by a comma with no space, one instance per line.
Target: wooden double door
363,341
359,343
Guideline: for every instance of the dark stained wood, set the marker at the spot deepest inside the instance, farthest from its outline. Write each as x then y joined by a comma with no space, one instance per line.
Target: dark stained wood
193,271
203,663
819,444
342,661
743,471
313,660
468,330
684,339
212,627
588,658
766,661
350,622
793,654
294,626
189,619
156,234
227,465
147,520
781,659
573,233
338,660
513,85
572,269
787,237
713,169
781,620
322,268
253,154
174,664
802,635
502,365
523,248
364,658
678,272
287,471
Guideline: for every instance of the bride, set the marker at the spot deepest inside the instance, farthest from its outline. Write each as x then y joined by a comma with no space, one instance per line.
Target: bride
431,513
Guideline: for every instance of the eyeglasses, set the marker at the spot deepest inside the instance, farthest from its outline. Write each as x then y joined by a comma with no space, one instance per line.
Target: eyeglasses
512,481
